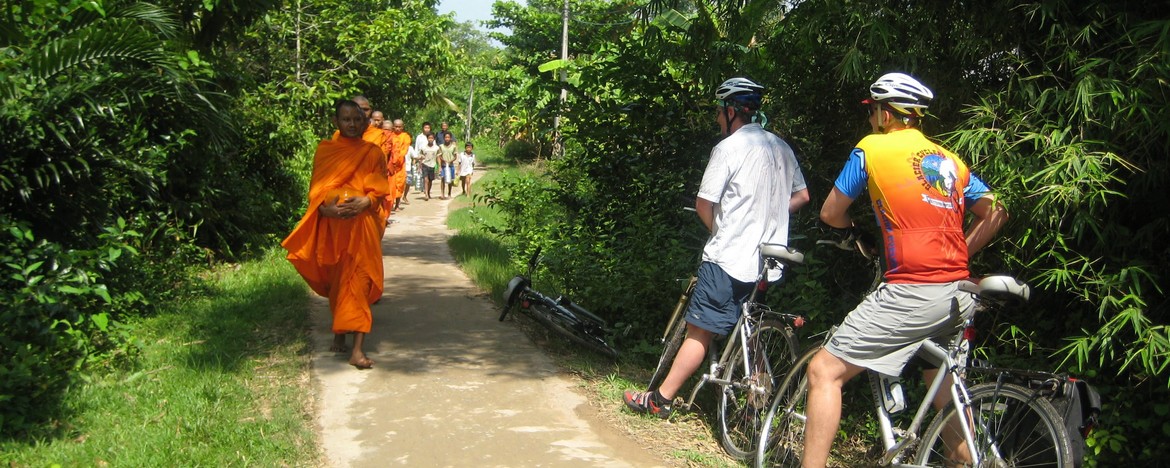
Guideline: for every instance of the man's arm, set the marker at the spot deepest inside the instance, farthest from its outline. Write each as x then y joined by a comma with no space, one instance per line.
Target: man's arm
990,216
835,211
706,211
798,200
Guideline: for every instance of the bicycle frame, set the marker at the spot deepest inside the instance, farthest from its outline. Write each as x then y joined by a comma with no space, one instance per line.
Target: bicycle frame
744,328
952,364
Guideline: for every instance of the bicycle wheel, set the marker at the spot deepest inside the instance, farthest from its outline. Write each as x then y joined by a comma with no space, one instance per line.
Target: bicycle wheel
674,338
581,332
743,402
781,441
512,294
1013,427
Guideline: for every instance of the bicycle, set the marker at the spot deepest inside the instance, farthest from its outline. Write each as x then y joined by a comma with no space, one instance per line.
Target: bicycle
1007,424
559,314
754,359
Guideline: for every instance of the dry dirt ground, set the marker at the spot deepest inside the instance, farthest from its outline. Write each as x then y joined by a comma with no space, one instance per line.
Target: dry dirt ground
452,386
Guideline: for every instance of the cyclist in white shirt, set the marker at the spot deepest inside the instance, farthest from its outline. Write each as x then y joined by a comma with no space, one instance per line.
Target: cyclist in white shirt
751,184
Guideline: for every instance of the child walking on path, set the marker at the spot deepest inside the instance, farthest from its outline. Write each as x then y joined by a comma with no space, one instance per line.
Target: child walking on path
466,167
447,161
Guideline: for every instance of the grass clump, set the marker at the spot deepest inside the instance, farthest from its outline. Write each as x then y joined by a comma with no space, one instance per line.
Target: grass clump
221,379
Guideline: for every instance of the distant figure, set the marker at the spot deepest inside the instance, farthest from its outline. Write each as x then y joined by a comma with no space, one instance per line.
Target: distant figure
337,245
466,167
447,159
428,156
399,149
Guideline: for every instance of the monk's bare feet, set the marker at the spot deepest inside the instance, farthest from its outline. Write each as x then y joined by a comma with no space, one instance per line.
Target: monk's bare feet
361,362
339,344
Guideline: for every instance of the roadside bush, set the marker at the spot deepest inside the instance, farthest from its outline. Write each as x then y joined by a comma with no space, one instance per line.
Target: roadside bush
51,318
520,151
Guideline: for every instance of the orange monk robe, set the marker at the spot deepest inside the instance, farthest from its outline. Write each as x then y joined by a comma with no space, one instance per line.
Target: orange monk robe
392,169
372,134
400,144
342,258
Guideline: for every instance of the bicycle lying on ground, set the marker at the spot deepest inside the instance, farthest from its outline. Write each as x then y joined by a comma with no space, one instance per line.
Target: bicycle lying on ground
558,314
991,424
755,358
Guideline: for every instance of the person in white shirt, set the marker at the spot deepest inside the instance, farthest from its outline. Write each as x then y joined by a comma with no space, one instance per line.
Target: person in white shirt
751,184
465,167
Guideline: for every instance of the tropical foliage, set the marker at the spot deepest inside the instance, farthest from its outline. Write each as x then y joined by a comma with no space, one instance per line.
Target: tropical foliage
143,139
1059,105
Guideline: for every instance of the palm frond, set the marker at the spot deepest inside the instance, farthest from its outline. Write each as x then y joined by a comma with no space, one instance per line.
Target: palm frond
93,44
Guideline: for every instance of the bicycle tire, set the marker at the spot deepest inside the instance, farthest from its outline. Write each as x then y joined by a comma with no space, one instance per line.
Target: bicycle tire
575,332
512,294
781,440
674,339
1013,427
744,401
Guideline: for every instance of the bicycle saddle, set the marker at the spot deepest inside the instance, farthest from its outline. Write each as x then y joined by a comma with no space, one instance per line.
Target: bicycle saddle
783,253
998,286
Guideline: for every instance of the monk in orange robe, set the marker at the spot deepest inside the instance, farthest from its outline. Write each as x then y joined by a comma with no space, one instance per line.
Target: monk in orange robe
393,166
337,246
373,133
399,145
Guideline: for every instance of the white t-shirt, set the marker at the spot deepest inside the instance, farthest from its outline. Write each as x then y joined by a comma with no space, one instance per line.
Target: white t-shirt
429,154
411,154
466,164
421,141
750,178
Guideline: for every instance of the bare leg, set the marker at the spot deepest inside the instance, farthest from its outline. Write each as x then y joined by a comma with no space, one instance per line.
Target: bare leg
955,446
826,375
339,343
690,357
358,357
427,184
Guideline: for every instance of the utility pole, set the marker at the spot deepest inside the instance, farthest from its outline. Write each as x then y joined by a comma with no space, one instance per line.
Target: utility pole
558,148
298,29
470,99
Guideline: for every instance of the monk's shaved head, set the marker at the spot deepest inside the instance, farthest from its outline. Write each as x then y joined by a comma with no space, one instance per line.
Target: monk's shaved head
363,103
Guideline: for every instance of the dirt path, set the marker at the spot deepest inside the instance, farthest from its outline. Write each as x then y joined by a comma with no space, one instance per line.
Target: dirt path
452,386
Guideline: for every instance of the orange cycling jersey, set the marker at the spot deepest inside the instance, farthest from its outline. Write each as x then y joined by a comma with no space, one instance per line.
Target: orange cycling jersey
919,191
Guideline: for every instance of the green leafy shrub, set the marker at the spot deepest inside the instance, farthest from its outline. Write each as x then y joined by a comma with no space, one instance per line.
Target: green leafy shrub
520,151
52,319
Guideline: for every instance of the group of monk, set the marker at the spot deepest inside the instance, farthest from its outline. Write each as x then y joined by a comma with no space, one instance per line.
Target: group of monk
359,179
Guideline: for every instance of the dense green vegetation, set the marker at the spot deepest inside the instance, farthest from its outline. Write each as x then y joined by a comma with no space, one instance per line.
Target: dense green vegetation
145,141
217,380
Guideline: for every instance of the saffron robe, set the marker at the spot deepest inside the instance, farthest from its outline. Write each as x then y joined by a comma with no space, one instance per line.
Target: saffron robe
400,144
342,258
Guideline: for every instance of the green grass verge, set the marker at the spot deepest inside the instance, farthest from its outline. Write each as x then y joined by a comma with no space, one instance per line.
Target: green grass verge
221,379
480,253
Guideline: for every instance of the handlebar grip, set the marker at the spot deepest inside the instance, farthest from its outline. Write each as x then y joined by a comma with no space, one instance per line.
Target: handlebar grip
850,238
535,257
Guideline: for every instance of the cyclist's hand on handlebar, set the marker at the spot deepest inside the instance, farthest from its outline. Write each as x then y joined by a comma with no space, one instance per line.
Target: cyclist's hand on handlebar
849,238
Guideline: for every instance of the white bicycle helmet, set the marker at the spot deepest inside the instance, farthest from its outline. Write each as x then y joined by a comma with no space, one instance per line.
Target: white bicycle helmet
741,90
901,92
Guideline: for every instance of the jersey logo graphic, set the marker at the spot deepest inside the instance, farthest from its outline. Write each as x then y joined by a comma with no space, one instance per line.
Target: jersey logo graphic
939,176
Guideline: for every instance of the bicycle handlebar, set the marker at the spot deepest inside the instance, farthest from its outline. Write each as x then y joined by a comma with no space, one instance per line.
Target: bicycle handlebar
532,261
850,238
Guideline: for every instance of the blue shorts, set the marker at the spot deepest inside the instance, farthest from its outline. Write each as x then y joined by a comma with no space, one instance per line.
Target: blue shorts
716,301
